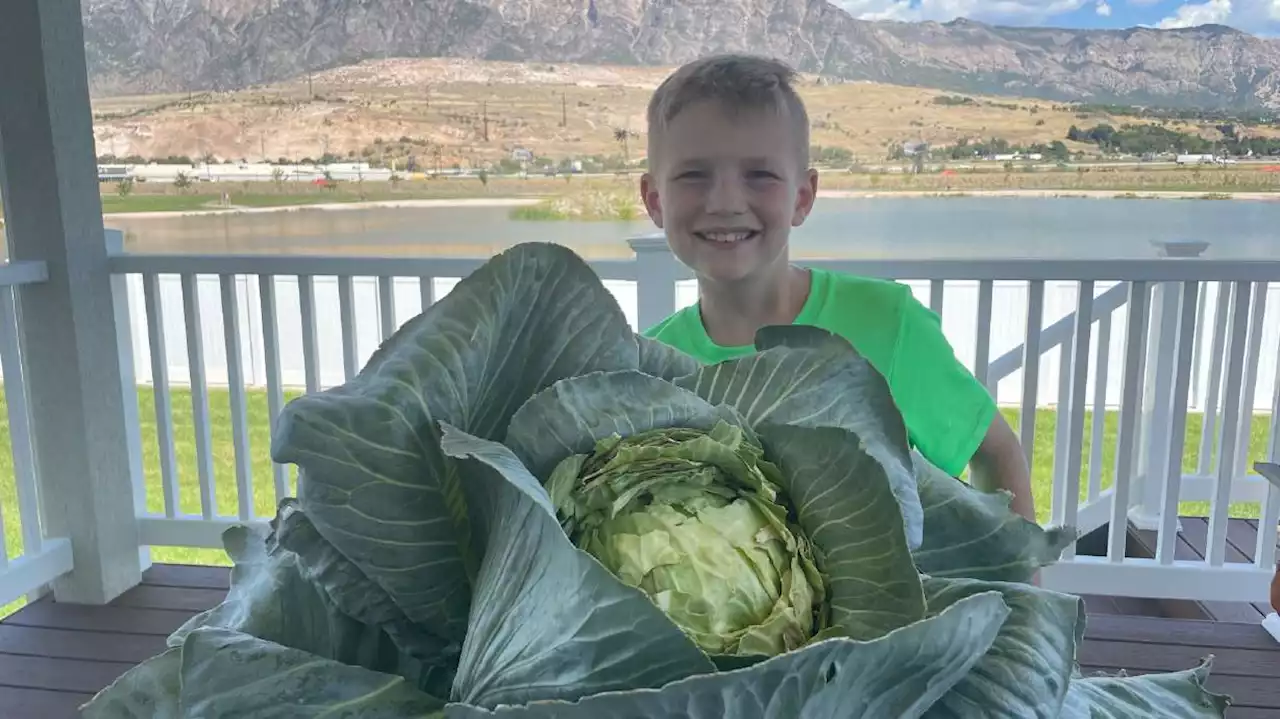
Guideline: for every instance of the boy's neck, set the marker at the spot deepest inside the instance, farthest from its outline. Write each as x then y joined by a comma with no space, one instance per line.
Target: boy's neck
733,312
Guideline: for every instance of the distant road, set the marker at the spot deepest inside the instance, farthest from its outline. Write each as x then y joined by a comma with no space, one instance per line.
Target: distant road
351,172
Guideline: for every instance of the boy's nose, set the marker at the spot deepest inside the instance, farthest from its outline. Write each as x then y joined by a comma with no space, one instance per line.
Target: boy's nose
726,197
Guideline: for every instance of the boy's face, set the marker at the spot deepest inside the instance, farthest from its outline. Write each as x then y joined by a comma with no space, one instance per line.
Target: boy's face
728,189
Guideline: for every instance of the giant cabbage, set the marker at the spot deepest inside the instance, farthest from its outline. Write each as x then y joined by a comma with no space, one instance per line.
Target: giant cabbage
520,508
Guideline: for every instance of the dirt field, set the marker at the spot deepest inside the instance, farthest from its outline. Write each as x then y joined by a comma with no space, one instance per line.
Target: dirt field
448,111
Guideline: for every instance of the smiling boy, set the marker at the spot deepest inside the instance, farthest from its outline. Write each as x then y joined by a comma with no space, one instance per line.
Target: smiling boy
728,178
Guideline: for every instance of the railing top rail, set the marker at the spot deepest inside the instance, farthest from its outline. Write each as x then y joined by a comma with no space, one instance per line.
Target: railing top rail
23,272
322,265
1100,270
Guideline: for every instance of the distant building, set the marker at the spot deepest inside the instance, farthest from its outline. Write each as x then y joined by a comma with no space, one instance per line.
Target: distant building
113,173
1196,160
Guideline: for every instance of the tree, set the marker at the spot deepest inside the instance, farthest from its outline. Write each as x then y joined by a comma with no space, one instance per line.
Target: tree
623,137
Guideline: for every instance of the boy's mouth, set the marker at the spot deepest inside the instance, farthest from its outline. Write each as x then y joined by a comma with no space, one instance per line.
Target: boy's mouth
727,237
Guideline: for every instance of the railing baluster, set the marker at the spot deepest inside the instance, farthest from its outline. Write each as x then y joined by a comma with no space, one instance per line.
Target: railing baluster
1257,316
1186,340
387,306
4,550
427,290
1098,425
20,437
1197,353
982,346
1061,425
1130,409
937,290
1223,298
160,388
1217,541
235,388
347,322
271,358
1079,382
1031,369
310,347
199,394
1264,553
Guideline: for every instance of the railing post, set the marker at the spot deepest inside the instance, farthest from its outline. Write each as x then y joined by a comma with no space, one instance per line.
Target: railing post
1154,468
68,324
122,304
656,273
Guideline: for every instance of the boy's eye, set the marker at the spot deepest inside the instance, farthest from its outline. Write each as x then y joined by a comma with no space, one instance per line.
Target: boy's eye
762,175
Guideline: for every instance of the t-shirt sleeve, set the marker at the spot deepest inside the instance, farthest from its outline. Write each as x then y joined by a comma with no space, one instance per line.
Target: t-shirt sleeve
946,409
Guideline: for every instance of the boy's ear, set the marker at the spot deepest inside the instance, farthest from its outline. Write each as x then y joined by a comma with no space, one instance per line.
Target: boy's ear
652,201
806,195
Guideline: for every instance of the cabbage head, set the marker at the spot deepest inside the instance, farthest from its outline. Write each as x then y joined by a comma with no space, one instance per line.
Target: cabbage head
520,508
695,520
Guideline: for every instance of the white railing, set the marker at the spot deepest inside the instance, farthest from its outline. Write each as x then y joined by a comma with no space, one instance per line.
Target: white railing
1129,338
29,559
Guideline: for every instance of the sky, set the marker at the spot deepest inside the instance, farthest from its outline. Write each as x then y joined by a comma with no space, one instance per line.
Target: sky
1260,17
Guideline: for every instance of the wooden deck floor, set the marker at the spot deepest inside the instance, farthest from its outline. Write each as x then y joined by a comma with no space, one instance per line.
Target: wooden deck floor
1242,538
54,657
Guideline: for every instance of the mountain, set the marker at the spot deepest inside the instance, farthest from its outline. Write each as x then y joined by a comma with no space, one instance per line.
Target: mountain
146,46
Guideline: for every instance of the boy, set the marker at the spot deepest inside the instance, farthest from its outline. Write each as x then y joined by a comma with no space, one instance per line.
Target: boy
728,178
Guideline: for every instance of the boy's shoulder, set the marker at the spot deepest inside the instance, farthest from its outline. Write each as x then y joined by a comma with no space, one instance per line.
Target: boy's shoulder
676,322
857,304
876,289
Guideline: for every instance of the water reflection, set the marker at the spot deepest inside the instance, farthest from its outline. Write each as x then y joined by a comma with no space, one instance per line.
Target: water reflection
964,227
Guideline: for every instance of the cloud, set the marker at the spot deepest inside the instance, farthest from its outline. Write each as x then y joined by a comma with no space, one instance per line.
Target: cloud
1260,17
1191,15
1015,12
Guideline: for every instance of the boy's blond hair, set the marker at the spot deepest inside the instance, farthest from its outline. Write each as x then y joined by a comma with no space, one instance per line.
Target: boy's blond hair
738,83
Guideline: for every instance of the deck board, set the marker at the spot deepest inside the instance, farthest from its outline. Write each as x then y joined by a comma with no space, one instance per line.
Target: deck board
54,657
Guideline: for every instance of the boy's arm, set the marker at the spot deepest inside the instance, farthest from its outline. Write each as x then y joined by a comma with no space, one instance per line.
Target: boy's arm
1000,463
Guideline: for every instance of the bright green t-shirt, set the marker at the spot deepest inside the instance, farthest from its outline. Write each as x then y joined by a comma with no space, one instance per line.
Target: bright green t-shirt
946,410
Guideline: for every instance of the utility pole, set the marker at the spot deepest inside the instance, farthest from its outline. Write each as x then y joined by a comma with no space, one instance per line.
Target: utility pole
484,111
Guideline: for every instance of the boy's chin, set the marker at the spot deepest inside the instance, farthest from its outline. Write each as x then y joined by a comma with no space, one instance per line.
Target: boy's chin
727,270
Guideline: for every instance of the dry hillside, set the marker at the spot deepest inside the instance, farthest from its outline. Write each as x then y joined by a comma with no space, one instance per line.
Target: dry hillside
440,111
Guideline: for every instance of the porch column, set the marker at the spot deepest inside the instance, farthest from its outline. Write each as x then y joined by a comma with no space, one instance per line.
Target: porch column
53,213
657,271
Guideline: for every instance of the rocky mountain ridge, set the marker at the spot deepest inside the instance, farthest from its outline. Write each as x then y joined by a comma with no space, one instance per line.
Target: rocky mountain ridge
148,46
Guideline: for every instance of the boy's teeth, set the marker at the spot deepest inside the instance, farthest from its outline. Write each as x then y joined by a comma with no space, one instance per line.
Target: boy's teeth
726,236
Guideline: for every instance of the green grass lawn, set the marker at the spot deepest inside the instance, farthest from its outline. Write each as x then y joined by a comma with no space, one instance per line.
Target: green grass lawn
264,494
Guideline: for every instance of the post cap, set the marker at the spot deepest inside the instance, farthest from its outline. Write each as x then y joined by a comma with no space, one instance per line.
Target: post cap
1180,248
655,242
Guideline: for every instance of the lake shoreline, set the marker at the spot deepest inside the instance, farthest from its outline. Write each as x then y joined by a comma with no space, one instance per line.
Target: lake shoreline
442,203
513,202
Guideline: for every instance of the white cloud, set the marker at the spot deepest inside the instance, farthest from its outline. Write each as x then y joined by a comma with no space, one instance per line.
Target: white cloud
1260,17
1016,12
1191,15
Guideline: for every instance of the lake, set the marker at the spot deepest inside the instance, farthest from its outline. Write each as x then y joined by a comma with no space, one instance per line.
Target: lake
936,227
